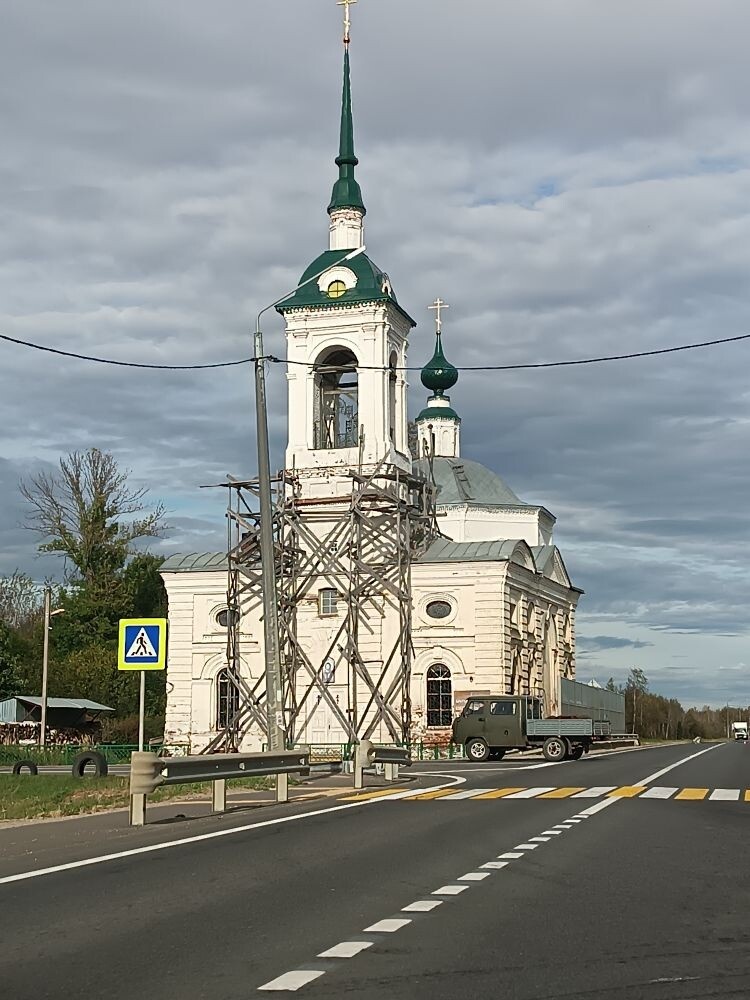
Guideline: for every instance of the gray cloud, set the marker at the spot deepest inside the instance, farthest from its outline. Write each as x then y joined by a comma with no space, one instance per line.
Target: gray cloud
591,643
573,182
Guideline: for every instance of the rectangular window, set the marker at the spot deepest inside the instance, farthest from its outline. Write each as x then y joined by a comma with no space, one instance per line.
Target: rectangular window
328,602
503,708
473,708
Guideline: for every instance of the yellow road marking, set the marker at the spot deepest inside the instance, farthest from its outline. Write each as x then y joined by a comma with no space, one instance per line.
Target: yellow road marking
561,793
693,794
747,795
497,793
627,792
372,795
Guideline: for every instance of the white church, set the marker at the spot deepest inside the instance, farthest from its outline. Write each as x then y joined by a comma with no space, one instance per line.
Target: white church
492,605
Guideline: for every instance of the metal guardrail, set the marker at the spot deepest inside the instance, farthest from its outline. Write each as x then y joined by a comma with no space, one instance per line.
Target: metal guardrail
148,772
367,755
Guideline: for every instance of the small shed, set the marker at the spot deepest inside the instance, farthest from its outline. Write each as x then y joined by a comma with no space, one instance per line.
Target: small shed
62,713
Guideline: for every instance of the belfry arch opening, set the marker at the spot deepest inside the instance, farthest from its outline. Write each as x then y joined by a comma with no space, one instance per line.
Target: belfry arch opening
336,416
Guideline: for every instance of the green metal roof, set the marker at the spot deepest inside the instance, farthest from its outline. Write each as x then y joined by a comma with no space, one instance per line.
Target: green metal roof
346,190
445,550
434,412
460,480
373,285
194,562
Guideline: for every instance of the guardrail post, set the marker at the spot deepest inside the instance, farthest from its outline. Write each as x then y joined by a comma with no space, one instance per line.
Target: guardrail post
282,787
137,810
219,796
391,772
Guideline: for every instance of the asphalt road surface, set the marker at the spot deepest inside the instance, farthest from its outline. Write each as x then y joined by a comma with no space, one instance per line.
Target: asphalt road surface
616,877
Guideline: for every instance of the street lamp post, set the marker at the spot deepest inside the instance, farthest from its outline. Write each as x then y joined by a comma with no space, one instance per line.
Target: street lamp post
274,707
49,614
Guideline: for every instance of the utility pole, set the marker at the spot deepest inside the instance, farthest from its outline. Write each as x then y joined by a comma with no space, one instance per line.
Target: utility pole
45,663
274,708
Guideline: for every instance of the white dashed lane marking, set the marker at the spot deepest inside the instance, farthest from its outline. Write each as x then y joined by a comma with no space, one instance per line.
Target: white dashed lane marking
495,864
347,949
510,856
449,890
422,906
527,847
474,877
388,926
290,982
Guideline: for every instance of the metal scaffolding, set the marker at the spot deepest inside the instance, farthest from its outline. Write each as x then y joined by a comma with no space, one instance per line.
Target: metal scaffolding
359,546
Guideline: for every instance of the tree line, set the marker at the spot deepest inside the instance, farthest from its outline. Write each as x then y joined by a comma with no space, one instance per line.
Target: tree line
653,716
88,513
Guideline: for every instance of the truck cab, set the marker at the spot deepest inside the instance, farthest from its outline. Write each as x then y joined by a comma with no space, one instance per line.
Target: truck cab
495,722
739,730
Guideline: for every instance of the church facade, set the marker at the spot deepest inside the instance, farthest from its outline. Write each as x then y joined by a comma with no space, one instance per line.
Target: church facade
492,607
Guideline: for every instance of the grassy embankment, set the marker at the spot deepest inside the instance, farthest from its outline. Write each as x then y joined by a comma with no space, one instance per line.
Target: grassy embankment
38,796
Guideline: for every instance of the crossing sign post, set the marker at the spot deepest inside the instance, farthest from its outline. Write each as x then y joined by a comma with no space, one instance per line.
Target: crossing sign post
142,646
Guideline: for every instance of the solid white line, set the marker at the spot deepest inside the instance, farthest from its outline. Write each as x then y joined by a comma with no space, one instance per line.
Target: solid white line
595,793
659,792
525,847
474,877
347,949
449,890
422,906
527,793
666,770
214,835
293,981
495,864
725,795
387,926
510,856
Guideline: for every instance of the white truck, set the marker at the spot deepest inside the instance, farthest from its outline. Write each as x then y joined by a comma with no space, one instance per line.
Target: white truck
739,730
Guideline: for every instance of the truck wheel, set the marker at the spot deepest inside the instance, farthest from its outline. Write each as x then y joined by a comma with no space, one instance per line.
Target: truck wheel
477,750
496,753
576,753
555,748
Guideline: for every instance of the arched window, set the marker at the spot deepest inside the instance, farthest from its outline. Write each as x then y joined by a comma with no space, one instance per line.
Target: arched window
227,699
392,397
336,417
439,696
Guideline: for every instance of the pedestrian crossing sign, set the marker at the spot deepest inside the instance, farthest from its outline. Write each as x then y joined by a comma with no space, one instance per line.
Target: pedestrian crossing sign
143,644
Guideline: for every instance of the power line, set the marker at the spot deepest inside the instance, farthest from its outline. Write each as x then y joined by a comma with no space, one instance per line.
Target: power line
122,364
413,368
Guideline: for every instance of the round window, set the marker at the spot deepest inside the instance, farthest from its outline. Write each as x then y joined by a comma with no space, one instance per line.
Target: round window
336,289
439,609
223,618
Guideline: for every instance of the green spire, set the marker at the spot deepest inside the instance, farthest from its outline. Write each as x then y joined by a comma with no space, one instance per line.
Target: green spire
346,190
438,374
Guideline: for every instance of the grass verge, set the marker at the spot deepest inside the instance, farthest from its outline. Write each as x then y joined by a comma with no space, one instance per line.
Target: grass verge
29,796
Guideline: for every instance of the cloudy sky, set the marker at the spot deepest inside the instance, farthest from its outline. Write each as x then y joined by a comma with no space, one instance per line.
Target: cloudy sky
572,176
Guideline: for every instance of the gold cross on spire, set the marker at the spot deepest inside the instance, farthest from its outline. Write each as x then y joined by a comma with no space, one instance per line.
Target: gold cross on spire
346,4
438,305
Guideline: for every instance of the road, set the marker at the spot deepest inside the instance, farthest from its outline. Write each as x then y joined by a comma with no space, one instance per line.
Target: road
637,887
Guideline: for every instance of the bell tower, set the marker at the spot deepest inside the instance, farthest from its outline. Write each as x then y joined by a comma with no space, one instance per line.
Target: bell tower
347,342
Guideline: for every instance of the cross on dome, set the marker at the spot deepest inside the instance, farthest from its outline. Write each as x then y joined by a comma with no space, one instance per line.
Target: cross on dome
438,305
346,4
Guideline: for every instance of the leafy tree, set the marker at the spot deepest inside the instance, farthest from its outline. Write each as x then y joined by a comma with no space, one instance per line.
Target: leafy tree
21,601
86,513
9,677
